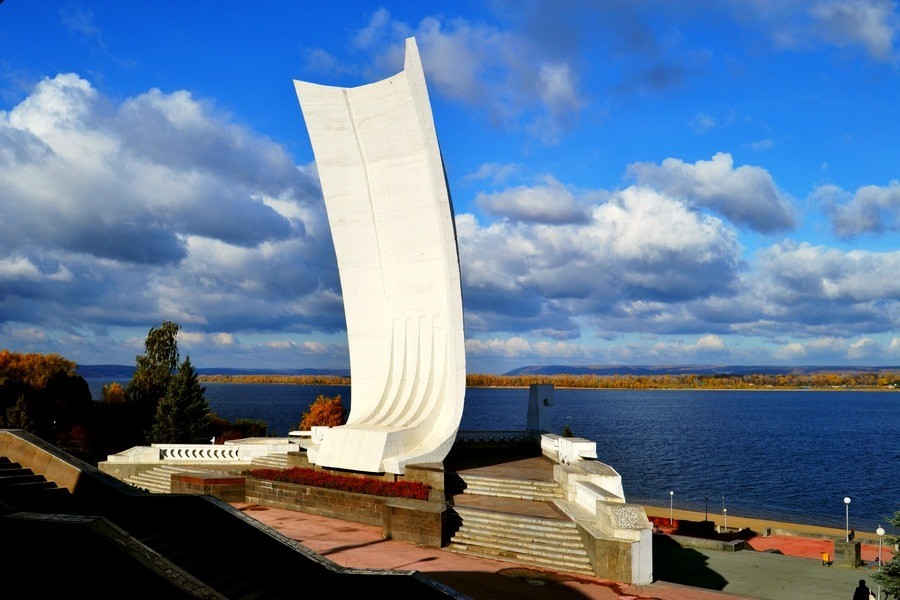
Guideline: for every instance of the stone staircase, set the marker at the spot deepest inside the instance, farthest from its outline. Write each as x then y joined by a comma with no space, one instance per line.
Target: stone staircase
504,487
515,532
173,546
512,531
158,480
22,489
277,460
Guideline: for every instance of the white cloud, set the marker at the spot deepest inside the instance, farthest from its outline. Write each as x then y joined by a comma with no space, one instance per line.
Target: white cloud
495,173
863,349
746,195
871,209
549,202
499,71
702,123
158,208
871,24
790,351
710,343
894,346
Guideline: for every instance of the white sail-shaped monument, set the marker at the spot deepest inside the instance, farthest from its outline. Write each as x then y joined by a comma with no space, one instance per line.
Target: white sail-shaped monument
391,219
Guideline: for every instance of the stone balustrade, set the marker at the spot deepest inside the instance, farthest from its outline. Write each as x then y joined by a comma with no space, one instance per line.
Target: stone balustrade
236,451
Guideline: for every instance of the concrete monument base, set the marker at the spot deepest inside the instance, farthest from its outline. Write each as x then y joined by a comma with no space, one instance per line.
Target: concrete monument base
847,554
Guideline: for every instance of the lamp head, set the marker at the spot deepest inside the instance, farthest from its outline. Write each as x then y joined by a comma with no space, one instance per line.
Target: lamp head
880,531
847,500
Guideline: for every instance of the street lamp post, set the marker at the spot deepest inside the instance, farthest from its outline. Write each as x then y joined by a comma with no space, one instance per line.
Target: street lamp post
725,514
880,533
671,500
847,516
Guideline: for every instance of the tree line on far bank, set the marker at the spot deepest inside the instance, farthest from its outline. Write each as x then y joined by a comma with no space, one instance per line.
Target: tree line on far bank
881,380
886,380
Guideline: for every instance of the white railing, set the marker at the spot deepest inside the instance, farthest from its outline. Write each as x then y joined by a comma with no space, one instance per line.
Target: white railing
493,436
235,451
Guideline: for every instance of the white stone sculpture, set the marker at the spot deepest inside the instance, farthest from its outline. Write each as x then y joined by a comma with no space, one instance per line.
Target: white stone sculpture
391,219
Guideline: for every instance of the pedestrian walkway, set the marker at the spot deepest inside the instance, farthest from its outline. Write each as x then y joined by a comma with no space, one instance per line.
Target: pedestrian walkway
780,567
356,545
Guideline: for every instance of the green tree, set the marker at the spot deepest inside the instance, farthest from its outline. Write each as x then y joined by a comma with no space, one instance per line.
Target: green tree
17,416
888,576
241,428
153,372
182,416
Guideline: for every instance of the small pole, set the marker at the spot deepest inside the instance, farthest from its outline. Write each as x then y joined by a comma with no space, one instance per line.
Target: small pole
880,533
847,517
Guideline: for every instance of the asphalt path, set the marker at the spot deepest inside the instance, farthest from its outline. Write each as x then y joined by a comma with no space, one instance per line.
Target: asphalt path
762,575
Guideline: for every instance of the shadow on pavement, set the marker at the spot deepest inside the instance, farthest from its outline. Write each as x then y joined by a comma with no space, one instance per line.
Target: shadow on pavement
675,563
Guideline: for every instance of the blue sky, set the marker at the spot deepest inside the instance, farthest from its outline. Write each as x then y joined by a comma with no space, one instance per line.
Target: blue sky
634,182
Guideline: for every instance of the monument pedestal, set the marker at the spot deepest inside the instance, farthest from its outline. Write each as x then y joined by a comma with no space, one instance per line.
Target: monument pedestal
847,554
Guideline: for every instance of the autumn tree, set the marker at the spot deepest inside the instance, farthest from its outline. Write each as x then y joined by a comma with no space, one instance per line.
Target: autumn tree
154,370
182,415
43,394
113,393
324,411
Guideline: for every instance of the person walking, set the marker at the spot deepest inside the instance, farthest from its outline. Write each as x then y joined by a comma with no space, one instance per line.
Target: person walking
862,591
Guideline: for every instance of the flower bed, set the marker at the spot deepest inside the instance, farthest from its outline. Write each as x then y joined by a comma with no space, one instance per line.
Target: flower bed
415,490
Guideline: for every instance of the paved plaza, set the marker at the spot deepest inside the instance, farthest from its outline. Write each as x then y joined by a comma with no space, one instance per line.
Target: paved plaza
691,573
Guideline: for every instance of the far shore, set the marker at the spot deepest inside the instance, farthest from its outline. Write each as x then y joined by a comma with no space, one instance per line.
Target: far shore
559,382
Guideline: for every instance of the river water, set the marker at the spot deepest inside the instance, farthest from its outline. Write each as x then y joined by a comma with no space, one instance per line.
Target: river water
784,455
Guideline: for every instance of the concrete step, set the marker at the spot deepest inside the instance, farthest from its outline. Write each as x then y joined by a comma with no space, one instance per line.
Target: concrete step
527,489
521,529
22,490
546,543
271,461
157,480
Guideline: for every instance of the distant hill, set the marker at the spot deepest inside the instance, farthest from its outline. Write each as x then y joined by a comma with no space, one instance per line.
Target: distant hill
126,371
691,370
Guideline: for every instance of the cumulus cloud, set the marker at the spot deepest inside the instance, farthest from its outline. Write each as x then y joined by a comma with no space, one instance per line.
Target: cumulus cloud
864,348
637,246
710,343
550,202
745,195
819,291
156,207
871,209
790,351
506,74
519,347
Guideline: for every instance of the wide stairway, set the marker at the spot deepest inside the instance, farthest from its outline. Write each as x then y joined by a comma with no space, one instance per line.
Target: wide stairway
510,511
158,480
21,489
148,546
